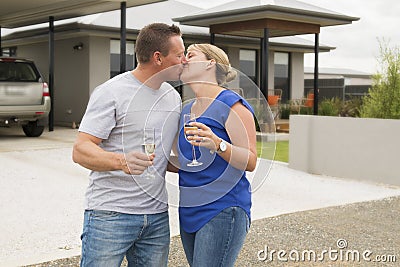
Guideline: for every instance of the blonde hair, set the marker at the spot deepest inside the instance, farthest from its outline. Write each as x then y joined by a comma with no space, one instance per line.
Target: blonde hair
224,72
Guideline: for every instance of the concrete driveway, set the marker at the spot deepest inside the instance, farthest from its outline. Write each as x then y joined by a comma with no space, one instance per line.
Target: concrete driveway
14,139
42,193
41,198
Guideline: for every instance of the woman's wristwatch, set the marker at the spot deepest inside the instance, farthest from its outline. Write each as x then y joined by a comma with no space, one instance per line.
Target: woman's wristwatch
221,147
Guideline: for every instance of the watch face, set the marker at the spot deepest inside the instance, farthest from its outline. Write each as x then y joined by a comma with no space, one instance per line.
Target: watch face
222,146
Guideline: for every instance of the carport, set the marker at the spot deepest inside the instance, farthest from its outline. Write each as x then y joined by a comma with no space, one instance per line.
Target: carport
19,13
264,19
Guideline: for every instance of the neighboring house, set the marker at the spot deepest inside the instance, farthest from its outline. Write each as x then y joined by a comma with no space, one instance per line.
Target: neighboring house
335,82
87,53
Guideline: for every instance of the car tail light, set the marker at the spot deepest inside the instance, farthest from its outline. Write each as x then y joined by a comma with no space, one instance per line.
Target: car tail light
7,59
46,90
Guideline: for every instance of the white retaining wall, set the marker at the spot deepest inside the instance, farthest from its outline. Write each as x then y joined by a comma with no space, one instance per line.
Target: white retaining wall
365,149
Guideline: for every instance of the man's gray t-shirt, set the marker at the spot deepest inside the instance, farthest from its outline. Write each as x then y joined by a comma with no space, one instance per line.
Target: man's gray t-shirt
117,112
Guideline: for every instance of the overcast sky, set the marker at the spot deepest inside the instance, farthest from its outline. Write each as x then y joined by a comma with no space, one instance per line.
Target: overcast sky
357,45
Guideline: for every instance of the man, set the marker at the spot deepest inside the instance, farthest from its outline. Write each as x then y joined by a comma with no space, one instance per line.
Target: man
126,214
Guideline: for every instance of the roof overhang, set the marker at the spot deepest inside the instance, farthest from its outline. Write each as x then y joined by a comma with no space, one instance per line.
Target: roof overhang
75,29
251,21
18,13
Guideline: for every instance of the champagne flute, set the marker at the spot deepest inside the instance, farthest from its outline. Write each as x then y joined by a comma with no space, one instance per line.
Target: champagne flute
188,118
149,146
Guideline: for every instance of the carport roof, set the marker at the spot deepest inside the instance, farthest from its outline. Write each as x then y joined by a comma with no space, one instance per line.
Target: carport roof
18,13
250,17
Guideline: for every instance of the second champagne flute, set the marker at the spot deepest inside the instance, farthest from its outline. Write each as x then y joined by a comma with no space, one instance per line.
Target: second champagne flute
149,146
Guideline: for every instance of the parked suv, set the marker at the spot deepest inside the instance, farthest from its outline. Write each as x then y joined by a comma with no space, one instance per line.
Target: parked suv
24,96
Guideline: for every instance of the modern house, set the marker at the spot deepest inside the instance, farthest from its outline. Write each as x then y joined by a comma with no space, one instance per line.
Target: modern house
341,83
87,48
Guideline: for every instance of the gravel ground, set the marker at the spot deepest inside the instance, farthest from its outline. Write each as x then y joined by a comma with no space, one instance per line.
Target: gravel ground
371,228
41,209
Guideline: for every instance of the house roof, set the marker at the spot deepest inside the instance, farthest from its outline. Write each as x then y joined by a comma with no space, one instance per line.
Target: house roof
250,17
18,13
299,44
338,71
137,17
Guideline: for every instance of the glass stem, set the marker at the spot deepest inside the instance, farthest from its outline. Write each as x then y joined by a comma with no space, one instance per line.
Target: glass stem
194,154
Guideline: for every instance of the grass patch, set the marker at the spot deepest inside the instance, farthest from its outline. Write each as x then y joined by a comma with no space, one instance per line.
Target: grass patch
267,150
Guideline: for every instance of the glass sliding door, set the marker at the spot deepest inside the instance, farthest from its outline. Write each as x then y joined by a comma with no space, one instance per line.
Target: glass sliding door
115,57
248,65
282,74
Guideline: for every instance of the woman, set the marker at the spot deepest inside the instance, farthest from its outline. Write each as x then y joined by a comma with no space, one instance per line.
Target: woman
215,197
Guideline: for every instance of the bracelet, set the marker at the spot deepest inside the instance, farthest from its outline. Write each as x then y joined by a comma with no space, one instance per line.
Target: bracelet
212,151
124,164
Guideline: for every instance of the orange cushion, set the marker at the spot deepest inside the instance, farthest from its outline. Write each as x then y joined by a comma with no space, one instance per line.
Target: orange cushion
273,100
309,101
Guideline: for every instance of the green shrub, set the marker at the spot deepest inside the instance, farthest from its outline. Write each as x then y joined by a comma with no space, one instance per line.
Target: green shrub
351,107
329,107
285,111
383,100
306,110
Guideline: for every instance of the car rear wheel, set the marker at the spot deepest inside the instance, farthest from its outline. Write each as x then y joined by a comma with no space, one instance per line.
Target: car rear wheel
32,129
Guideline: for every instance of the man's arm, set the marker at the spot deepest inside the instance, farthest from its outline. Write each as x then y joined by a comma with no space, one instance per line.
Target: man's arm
173,162
87,153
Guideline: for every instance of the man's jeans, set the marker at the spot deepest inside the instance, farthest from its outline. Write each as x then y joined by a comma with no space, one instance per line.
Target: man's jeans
217,243
108,236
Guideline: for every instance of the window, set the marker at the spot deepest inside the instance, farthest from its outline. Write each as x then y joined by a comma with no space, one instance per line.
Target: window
16,71
248,65
9,51
115,56
282,74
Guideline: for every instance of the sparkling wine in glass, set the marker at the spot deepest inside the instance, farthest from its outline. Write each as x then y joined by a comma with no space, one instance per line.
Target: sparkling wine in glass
187,119
149,146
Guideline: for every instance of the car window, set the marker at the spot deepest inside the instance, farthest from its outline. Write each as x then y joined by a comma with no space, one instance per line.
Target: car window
18,72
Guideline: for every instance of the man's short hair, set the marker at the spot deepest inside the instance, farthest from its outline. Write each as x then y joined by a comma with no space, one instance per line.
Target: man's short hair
154,37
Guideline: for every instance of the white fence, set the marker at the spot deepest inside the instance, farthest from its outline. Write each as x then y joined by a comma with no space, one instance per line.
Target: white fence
366,149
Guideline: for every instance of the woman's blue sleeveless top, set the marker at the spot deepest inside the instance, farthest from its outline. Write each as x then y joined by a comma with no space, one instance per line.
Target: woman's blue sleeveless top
208,189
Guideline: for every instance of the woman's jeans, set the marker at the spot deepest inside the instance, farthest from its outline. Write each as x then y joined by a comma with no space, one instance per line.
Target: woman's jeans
217,243
109,236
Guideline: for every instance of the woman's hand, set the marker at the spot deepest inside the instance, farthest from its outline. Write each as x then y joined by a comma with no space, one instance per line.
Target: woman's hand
203,136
